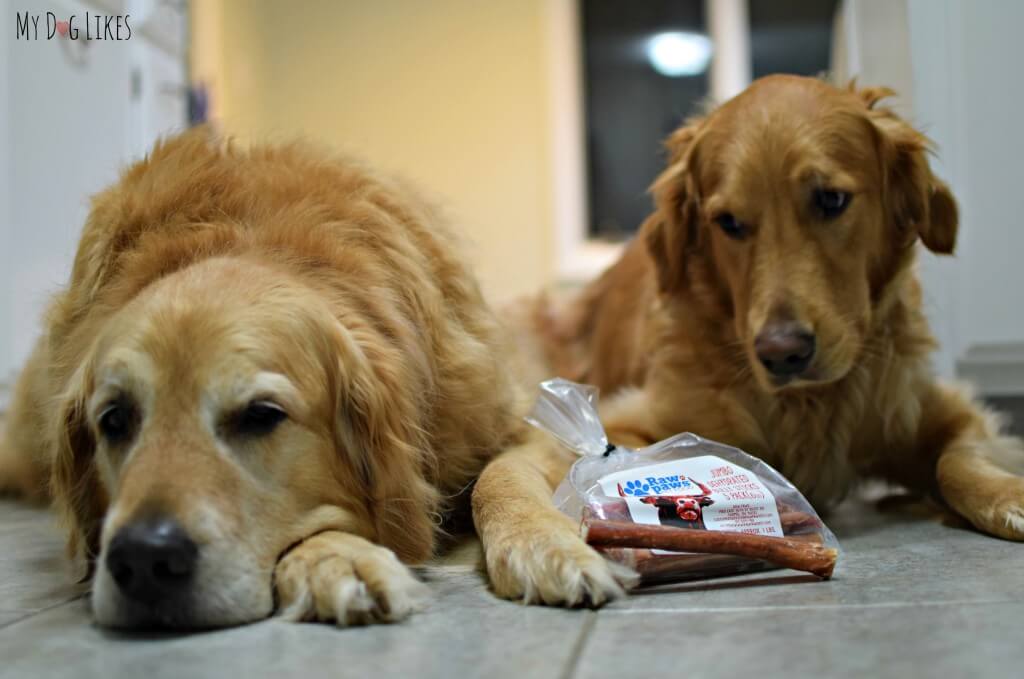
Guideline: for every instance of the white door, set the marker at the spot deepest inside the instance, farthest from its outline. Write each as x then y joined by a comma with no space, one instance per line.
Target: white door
969,94
957,64
73,113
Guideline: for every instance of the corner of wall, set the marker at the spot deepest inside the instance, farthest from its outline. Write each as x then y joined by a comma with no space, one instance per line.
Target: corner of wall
5,214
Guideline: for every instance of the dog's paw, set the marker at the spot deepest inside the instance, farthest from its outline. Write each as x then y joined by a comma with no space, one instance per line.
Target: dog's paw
550,564
341,578
1007,517
996,508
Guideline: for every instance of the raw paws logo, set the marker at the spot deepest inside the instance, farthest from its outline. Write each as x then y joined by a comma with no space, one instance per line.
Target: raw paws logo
635,488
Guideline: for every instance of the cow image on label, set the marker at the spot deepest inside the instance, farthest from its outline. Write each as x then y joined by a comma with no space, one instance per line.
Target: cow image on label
685,511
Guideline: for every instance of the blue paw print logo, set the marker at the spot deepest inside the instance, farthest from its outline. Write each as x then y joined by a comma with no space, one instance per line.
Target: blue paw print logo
636,488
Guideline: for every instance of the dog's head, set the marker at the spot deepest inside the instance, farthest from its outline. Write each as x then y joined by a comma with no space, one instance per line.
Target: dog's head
220,417
792,210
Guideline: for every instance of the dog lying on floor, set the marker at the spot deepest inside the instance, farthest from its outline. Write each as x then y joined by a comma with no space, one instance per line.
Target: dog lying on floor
260,353
267,353
770,302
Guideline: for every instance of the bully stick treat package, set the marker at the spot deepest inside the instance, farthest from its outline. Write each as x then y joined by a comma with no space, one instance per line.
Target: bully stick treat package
682,509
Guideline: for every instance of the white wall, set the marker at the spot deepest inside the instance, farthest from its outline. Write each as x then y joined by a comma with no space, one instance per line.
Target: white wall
967,58
988,98
873,36
452,94
66,140
872,41
72,116
5,215
956,63
935,71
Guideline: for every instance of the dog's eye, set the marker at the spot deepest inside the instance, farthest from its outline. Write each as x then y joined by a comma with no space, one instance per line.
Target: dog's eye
117,422
831,204
259,418
730,226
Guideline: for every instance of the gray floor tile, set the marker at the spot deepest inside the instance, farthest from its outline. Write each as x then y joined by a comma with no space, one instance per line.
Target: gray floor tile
874,641
465,631
911,595
7,617
34,574
893,557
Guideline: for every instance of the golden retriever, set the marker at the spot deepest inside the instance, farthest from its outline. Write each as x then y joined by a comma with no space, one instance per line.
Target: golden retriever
269,376
771,302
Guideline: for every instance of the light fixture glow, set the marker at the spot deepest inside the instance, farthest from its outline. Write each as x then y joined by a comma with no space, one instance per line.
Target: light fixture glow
676,53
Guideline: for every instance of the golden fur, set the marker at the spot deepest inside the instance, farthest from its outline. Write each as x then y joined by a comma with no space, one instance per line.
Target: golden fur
209,277
668,332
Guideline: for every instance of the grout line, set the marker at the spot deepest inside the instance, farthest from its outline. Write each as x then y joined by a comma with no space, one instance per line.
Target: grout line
581,642
77,597
823,607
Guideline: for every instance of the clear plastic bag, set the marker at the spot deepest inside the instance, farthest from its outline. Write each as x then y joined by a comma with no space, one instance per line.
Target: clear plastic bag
684,481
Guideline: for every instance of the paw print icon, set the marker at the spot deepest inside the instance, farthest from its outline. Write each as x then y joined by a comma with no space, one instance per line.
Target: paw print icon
635,488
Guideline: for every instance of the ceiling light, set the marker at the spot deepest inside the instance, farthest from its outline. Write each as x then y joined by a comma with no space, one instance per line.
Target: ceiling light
677,53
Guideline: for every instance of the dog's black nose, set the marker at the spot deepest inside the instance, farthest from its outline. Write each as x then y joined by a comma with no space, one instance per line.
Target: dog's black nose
785,348
152,559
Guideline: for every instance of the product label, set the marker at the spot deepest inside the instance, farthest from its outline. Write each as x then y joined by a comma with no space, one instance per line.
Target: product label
698,492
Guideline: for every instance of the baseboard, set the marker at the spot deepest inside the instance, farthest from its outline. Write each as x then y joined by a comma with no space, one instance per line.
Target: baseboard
994,369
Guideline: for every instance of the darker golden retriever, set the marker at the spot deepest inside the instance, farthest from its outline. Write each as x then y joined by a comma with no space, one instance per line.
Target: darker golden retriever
269,376
771,302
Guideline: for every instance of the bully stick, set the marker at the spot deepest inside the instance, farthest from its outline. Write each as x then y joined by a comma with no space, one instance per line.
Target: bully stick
798,522
786,552
678,567
656,569
793,521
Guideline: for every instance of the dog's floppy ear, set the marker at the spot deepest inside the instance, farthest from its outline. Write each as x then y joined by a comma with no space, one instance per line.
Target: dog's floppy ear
672,231
919,204
77,491
118,217
381,433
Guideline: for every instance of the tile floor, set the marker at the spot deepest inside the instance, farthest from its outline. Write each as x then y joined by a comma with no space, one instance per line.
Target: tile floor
912,598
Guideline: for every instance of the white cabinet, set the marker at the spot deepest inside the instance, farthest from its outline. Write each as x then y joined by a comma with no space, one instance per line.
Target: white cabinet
968,96
958,60
73,113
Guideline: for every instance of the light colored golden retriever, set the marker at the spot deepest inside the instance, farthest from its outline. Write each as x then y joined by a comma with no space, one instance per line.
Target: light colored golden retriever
771,302
268,377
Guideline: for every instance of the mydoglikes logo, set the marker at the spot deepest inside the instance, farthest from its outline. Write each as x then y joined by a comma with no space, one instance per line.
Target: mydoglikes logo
29,26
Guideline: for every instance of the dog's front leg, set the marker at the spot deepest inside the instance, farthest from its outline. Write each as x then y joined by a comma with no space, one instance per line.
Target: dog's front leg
342,578
24,453
980,472
533,552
